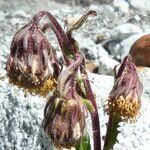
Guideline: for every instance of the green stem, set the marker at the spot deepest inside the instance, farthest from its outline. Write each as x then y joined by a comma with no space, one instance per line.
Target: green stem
111,133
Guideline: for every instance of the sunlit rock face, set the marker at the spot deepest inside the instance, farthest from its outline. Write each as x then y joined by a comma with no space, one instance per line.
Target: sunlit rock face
142,5
84,2
21,118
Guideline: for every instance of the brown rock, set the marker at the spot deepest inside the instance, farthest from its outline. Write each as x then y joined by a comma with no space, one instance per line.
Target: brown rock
140,51
91,66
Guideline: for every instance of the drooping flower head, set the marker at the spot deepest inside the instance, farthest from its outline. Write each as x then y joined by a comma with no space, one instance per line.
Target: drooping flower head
64,122
65,114
32,63
125,98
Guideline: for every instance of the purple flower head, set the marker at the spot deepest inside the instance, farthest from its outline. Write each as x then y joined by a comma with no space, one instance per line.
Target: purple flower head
125,98
65,114
32,62
64,121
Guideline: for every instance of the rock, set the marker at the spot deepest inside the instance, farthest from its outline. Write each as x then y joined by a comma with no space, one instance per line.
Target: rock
21,14
89,48
99,52
123,31
89,55
98,60
126,44
21,120
84,2
112,47
122,5
106,65
103,35
134,18
119,50
131,135
140,51
102,59
91,66
142,5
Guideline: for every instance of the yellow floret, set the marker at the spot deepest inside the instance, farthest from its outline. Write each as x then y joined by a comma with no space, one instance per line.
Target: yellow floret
125,108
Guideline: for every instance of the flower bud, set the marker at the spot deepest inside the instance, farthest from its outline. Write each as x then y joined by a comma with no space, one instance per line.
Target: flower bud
32,62
64,121
125,98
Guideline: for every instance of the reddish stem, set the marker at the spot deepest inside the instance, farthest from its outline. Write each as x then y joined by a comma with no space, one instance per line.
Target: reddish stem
95,115
60,34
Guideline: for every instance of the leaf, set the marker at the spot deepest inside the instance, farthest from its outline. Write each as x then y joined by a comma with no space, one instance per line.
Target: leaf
88,105
84,143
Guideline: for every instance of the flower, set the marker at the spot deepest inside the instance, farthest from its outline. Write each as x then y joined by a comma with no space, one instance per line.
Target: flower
32,64
66,110
125,98
64,121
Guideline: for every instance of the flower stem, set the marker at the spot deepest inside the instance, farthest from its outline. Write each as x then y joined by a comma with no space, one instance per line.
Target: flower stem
94,115
111,133
63,40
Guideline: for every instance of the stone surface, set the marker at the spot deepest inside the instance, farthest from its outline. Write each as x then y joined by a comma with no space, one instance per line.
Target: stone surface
84,2
142,5
122,5
21,120
123,31
135,136
105,67
126,44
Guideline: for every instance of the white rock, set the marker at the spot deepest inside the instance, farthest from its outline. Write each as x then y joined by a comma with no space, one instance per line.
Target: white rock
20,121
141,4
135,136
123,31
126,44
99,52
21,14
113,48
104,61
122,5
106,65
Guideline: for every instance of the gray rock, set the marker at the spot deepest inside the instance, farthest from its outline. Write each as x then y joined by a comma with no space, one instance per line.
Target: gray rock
135,136
122,5
113,47
103,60
123,31
84,2
89,55
126,44
106,65
142,5
21,120
140,134
119,50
